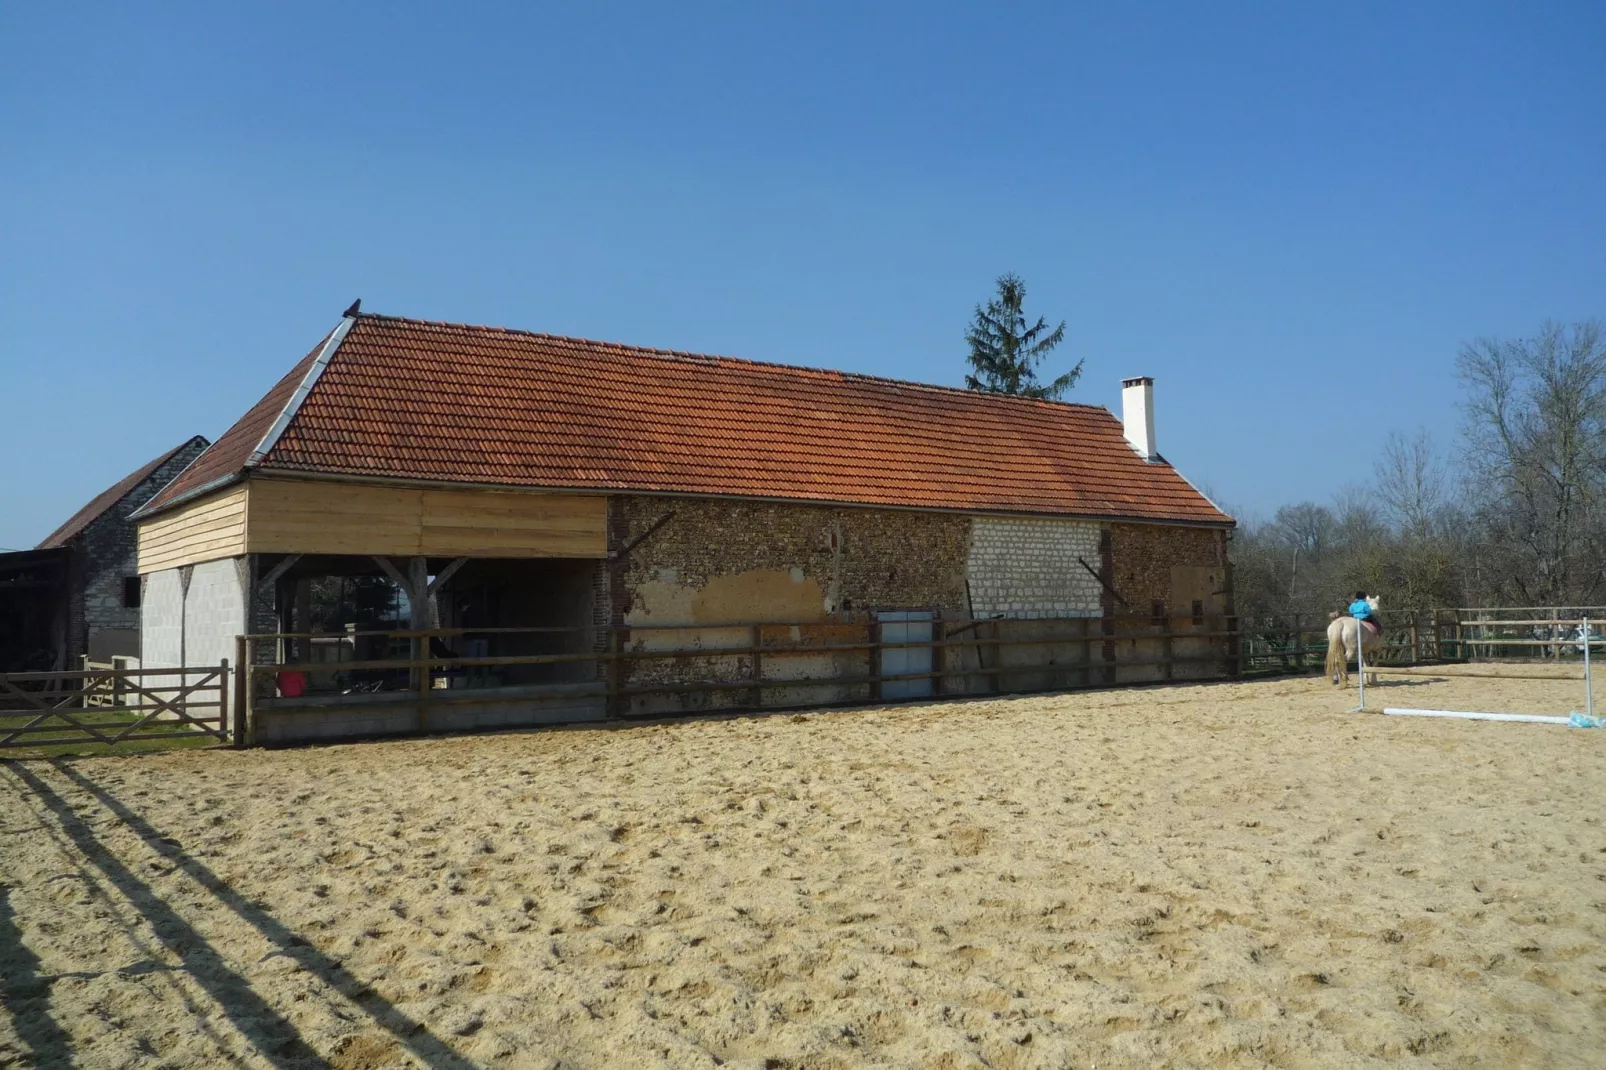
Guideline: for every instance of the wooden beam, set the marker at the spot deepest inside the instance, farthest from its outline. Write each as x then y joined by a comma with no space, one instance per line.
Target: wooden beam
652,529
395,575
446,574
273,574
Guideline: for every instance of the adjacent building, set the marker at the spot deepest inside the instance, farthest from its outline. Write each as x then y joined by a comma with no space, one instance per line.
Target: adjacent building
77,593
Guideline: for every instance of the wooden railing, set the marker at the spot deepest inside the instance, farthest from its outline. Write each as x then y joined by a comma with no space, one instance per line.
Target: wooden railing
740,660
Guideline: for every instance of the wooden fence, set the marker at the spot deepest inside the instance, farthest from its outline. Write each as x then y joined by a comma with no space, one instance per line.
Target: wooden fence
729,666
1299,644
41,709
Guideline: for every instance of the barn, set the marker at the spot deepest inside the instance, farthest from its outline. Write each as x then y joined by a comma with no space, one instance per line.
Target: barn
75,596
656,531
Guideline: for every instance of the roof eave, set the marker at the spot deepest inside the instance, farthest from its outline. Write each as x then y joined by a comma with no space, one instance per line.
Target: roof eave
145,512
647,492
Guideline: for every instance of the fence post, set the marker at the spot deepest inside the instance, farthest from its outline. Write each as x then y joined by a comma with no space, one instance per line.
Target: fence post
242,686
758,667
223,699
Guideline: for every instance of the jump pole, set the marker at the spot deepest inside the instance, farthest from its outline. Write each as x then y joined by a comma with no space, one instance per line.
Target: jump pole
1589,688
1360,663
1530,717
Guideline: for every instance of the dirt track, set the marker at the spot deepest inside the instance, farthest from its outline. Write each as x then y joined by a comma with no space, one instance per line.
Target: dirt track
1232,875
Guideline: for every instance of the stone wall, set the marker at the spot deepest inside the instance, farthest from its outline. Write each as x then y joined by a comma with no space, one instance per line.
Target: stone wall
825,569
1146,555
721,561
1031,569
828,570
1178,579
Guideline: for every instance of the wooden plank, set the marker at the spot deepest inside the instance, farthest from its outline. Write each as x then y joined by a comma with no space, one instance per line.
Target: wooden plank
305,516
204,530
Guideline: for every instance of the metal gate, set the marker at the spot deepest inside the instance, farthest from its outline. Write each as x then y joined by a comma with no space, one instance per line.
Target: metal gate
111,706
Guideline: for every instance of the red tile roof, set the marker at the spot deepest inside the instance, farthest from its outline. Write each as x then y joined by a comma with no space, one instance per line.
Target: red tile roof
108,498
409,399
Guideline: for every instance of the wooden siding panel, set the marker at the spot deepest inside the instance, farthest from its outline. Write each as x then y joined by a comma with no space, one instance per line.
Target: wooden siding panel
290,516
204,530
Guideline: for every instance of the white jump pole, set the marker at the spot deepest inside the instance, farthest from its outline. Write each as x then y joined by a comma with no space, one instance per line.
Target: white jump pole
1529,717
1360,662
1589,689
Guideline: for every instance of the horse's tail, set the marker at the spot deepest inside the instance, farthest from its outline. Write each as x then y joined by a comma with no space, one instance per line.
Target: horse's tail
1337,663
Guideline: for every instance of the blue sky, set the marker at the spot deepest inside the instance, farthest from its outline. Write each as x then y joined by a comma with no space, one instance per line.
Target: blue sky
1292,216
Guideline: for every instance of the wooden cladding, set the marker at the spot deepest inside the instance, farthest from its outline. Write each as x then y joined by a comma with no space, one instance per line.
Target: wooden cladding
314,517
205,530
308,517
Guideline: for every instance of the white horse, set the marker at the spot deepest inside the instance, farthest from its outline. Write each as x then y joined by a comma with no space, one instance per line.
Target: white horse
1342,634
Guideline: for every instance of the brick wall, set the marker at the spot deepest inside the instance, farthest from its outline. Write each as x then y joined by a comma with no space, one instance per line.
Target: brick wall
1031,569
104,555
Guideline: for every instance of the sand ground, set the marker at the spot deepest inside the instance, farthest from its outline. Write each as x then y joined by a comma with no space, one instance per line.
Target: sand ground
1226,875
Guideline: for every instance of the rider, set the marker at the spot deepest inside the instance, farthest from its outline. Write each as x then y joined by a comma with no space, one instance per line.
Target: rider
1361,609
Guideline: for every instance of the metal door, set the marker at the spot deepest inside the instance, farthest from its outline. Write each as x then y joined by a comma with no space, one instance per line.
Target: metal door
906,626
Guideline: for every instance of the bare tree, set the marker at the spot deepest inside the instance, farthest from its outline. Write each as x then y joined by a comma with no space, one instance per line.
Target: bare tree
1411,482
1536,437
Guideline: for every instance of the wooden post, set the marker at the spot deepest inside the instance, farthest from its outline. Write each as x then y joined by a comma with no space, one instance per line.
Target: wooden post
223,699
998,675
1168,651
242,687
616,669
758,667
418,606
1416,641
875,661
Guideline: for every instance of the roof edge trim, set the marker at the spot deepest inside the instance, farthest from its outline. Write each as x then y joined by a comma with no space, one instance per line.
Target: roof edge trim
145,512
308,381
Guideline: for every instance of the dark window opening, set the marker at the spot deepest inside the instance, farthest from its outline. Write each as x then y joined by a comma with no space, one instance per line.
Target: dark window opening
130,592
1198,611
1157,614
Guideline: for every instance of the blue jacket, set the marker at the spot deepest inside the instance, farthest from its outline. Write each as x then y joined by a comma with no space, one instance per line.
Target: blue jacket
1360,609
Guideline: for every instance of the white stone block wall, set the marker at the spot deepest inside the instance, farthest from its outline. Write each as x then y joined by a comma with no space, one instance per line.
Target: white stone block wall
194,627
161,620
214,612
1028,568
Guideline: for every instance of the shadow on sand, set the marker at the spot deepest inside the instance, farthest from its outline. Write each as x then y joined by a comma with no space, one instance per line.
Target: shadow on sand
273,1035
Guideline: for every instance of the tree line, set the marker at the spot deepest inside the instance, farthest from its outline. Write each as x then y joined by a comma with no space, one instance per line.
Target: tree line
1511,512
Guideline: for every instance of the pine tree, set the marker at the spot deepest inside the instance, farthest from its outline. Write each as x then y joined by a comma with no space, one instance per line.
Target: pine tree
1005,352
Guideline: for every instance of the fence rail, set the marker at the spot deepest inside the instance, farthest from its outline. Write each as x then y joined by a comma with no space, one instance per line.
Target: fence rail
634,669
41,709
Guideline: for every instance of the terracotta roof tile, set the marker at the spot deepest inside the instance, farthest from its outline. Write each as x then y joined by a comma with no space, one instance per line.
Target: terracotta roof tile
433,401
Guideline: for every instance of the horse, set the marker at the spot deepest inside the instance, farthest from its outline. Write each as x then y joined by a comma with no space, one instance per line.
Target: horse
1341,638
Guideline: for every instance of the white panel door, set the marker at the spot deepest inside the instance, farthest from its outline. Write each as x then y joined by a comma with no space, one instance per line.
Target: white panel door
905,626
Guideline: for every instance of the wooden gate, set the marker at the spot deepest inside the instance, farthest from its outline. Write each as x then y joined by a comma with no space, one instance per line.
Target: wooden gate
111,706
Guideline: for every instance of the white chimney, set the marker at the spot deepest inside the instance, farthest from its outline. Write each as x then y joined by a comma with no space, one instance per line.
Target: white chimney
1137,414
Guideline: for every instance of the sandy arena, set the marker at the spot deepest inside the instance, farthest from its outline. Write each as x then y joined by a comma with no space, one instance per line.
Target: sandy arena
1229,875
